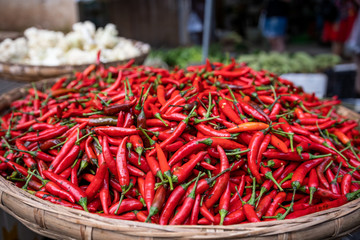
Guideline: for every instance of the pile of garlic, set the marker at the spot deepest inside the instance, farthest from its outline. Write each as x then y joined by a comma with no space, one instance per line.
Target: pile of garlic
80,46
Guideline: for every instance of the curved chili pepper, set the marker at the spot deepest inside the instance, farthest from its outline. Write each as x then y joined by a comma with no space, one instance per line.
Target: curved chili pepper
206,213
334,186
229,112
189,148
104,194
262,148
157,202
221,183
97,182
320,172
313,184
177,132
209,131
56,190
127,205
75,191
195,211
264,204
185,209
302,170
68,160
154,166
69,144
183,172
172,201
47,134
164,165
121,165
254,146
224,204
149,191
56,200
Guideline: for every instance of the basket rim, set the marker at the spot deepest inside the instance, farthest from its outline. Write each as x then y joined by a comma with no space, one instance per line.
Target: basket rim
92,219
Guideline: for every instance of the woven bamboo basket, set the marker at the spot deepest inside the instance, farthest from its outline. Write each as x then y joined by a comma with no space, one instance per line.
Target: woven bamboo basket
60,222
31,73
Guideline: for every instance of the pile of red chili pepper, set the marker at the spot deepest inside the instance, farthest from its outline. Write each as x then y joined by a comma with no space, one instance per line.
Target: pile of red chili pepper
210,144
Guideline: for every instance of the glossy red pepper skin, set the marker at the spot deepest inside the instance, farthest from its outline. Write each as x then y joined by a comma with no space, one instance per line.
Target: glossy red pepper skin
183,172
221,183
97,182
77,193
121,165
66,147
195,211
128,204
254,146
149,191
302,170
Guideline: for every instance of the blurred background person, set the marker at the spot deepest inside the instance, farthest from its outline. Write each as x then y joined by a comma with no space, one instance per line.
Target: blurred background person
353,45
273,23
339,17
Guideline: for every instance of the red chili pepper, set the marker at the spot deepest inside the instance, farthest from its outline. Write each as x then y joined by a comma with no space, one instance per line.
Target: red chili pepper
105,194
97,182
172,201
69,144
185,209
154,166
182,173
248,126
279,144
157,202
110,162
302,170
75,191
320,126
206,213
121,165
293,156
313,183
47,134
164,165
334,186
195,211
68,160
224,204
56,200
177,132
346,184
149,191
252,154
189,148
116,131
265,203
262,148
221,183
320,172
127,205
278,199
227,109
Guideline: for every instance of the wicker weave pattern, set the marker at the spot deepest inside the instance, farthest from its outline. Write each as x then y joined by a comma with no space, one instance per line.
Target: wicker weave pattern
60,222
